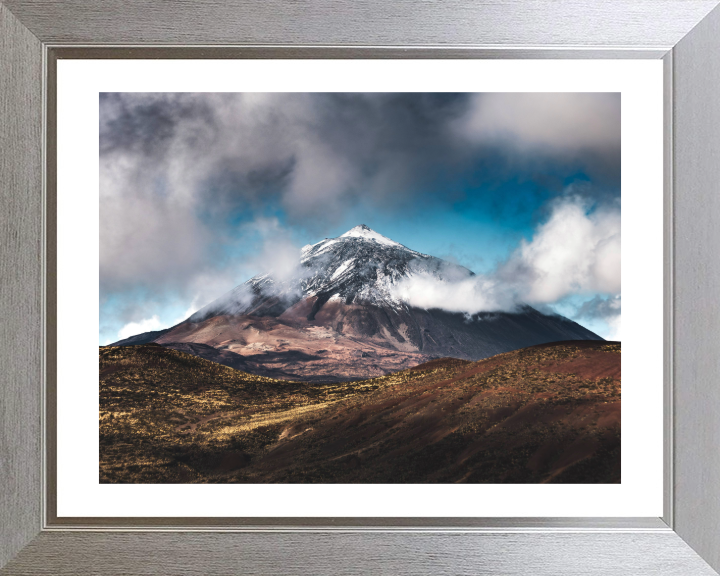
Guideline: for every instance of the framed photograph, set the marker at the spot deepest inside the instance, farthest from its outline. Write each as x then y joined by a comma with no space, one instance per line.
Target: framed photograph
358,289
389,376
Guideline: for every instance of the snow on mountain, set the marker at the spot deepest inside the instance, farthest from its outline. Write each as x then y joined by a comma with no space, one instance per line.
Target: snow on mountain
366,233
360,266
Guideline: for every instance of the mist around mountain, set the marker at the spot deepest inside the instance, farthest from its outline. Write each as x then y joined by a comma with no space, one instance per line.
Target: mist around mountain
342,312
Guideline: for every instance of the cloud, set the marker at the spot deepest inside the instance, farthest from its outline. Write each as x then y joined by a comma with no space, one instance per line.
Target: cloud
276,255
606,309
470,295
453,288
581,128
563,121
577,251
146,325
600,308
176,170
279,255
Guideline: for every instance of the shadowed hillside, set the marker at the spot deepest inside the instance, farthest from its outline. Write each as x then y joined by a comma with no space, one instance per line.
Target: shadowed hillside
548,413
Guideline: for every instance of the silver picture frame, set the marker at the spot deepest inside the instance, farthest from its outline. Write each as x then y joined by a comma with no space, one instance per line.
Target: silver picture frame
685,34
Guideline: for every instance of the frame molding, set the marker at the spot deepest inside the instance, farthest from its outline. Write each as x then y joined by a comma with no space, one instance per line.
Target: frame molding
685,33
498,23
21,168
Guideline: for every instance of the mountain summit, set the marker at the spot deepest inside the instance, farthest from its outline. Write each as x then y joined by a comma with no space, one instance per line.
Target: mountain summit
367,233
359,267
336,315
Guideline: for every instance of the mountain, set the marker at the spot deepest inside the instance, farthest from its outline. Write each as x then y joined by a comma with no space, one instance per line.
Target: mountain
549,413
337,315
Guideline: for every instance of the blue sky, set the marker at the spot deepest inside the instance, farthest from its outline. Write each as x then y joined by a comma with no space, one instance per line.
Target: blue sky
199,192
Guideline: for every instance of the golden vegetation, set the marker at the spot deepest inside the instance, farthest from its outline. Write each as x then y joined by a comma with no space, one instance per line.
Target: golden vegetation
534,415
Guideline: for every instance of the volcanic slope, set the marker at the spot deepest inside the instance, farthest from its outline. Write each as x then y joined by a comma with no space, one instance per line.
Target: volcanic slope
548,413
339,316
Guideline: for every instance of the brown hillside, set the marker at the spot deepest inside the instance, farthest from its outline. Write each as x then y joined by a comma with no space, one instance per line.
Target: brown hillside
547,413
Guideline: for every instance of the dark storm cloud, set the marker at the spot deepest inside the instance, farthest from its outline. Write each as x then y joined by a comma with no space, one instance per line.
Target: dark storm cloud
541,130
179,171
146,123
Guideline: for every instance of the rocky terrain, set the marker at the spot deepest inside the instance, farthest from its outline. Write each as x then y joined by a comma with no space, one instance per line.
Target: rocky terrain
547,413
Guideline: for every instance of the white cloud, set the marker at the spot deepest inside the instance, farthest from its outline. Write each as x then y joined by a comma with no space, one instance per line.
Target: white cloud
133,328
278,254
577,251
470,294
189,312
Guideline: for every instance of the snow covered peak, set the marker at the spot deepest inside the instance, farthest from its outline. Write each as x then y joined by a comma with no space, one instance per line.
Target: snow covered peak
359,267
366,233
